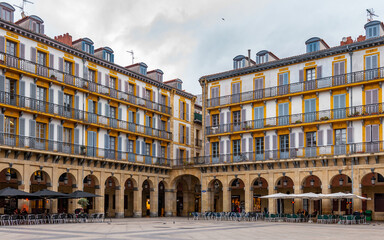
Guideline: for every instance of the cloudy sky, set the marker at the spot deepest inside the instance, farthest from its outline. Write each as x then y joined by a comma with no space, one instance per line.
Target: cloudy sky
189,39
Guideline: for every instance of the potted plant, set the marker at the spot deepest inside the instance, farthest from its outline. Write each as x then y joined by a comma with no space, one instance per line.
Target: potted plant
324,118
82,150
298,121
83,202
53,77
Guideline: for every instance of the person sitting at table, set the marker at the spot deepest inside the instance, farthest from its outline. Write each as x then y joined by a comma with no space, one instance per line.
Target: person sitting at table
16,212
314,214
24,211
299,211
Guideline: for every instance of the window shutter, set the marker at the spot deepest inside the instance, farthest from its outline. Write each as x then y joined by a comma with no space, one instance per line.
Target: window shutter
221,118
301,75
329,137
59,133
375,96
90,106
153,96
137,91
99,108
180,133
207,120
33,54
85,73
187,154
51,61
21,126
368,132
342,67
90,139
77,70
320,138
60,96
292,140
187,135
119,84
2,44
77,102
250,145
126,86
375,133
143,149
137,147
22,88
2,123
143,92
61,64
169,126
281,80
301,139
221,147
33,90
350,135
228,117
32,130
274,142
169,152
107,110
368,97
243,115
2,84
319,72
153,149
243,145
51,132
374,61
22,51
207,149
120,114
169,101
228,147
178,154
106,79
187,111
119,144
76,137
137,118
106,141
267,143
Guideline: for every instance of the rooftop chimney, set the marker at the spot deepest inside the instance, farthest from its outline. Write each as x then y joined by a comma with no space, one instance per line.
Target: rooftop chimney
65,38
346,41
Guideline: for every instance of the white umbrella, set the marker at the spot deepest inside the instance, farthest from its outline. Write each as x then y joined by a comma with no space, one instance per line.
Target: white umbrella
341,195
279,196
310,196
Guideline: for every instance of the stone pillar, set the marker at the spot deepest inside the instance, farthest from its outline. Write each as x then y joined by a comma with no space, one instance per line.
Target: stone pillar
119,209
205,200
357,204
170,202
99,201
271,190
326,203
137,204
154,195
53,202
298,190
248,195
227,199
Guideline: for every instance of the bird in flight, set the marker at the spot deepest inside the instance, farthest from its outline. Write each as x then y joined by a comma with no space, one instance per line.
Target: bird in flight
223,19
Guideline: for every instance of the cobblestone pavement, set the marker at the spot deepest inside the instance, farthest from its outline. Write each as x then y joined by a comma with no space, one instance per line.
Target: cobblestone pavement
182,228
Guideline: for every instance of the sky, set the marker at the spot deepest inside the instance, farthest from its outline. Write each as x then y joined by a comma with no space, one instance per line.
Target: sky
189,39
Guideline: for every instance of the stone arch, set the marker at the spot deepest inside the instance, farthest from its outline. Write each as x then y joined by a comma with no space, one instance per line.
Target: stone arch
70,178
12,171
46,178
255,182
284,182
335,180
173,182
132,182
111,181
307,181
94,180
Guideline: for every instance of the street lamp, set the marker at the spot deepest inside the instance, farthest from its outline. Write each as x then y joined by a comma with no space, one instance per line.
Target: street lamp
145,185
217,185
285,182
66,179
341,181
110,183
129,184
8,175
312,182
89,180
38,177
373,180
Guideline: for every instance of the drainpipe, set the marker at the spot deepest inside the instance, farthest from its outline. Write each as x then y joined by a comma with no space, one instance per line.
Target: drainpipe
249,57
351,97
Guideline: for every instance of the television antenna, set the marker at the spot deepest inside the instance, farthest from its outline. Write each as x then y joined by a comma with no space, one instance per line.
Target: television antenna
371,14
22,7
132,54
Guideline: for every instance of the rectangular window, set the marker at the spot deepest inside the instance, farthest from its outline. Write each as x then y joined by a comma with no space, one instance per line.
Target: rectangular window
310,110
339,106
311,74
312,47
12,48
259,148
340,141
143,70
40,134
181,133
10,89
147,149
284,146
310,150
42,58
6,15
236,147
131,89
108,56
147,94
215,120
10,125
182,110
371,65
283,83
67,135
372,31
112,82
67,102
130,146
163,100
112,112
215,149
112,143
283,113
235,92
91,75
68,67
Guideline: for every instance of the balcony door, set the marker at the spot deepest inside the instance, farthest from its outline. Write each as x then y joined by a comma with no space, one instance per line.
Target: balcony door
310,110
339,71
283,113
283,83
372,138
340,141
258,117
371,101
310,150
236,92
339,105
371,65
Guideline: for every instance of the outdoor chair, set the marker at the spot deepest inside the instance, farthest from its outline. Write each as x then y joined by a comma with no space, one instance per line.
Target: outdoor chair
5,220
100,217
218,216
93,217
350,219
31,219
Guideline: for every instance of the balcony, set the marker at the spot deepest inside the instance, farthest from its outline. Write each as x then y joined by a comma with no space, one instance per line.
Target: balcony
87,85
299,119
198,142
299,87
76,149
292,153
34,105
198,118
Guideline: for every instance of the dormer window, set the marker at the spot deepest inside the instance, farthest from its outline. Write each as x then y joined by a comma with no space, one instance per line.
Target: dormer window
179,86
143,70
108,56
239,62
6,15
313,47
88,48
262,59
372,31
36,27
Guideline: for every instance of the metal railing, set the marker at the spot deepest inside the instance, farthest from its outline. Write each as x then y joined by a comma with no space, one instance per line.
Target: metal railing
56,75
80,115
290,153
198,142
326,82
332,114
77,149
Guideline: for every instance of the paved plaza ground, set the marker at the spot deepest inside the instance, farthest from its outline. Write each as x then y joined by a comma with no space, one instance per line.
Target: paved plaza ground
182,228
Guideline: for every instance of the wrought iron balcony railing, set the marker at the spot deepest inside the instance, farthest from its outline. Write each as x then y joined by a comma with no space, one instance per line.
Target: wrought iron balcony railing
18,141
332,81
333,114
290,153
79,115
56,75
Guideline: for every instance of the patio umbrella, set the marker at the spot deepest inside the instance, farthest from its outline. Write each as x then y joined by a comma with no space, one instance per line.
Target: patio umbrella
310,196
48,194
82,194
341,195
15,193
279,196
